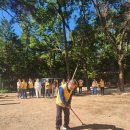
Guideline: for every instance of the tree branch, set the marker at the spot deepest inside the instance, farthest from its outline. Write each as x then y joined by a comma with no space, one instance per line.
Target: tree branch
64,22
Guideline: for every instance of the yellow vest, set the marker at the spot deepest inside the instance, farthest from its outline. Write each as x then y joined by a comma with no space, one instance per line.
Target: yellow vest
80,83
30,84
47,85
67,95
24,85
102,84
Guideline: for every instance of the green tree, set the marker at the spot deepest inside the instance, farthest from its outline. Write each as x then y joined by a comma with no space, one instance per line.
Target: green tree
8,40
114,19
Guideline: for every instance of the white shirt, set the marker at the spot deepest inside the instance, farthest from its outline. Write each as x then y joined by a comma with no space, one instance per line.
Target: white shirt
18,84
37,85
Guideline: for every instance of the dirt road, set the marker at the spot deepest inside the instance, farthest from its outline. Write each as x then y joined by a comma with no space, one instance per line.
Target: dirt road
97,112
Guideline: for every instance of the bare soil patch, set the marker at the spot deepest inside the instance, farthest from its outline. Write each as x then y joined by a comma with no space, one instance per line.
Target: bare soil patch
109,112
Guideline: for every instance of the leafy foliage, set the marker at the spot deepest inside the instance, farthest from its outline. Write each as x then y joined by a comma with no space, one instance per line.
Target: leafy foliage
50,45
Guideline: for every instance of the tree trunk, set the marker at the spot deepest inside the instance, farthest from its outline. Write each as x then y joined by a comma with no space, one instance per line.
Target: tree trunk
66,52
121,75
50,59
54,74
86,76
65,38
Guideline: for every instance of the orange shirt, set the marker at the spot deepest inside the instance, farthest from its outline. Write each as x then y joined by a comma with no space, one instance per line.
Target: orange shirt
102,84
94,84
30,84
24,85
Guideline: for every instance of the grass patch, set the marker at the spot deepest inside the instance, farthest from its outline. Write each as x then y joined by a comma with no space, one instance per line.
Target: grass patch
5,91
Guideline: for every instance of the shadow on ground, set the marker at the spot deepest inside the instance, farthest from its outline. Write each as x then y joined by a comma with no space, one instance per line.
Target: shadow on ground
9,103
97,127
7,96
5,100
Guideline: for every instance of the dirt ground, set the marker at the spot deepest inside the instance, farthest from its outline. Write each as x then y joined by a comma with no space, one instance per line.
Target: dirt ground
108,112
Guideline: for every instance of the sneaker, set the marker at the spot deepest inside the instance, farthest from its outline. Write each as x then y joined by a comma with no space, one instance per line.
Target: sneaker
66,128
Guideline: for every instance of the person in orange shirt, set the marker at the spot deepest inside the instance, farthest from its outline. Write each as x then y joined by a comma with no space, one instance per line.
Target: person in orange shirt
94,86
80,85
24,89
102,85
30,87
47,88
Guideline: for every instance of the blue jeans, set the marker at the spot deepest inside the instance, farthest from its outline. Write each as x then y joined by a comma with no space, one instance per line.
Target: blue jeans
94,90
31,92
102,91
24,93
43,90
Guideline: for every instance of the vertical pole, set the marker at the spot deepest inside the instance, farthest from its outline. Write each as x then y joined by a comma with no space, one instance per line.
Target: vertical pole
75,71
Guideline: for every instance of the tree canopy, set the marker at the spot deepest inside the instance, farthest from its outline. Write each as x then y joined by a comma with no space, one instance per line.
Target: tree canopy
58,34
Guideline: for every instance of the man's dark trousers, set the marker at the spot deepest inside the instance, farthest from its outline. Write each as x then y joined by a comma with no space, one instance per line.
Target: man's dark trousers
59,116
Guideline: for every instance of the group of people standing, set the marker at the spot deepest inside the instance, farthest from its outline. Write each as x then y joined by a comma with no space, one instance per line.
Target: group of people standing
33,88
96,85
36,88
48,88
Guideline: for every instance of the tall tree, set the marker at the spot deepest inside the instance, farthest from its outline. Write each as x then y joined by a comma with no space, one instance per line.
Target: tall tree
8,40
115,21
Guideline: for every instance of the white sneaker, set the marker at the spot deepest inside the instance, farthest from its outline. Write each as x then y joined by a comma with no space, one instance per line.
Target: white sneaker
65,128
